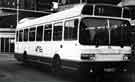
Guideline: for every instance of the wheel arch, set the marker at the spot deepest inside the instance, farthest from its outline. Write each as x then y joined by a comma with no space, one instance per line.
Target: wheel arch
25,52
56,55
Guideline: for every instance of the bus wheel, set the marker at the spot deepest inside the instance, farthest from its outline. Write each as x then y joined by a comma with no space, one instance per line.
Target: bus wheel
56,65
24,57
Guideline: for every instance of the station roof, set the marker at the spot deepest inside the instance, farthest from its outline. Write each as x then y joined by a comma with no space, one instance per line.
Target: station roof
76,11
105,1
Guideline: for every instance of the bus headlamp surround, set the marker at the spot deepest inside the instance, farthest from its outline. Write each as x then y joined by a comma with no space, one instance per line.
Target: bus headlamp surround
88,56
125,57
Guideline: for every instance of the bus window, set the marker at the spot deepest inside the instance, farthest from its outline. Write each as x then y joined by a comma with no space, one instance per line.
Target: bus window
47,32
39,35
17,36
101,31
120,32
126,13
87,10
32,34
21,35
93,31
101,10
57,31
70,31
25,34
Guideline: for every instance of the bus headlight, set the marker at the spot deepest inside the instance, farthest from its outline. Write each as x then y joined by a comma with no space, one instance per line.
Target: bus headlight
88,56
125,57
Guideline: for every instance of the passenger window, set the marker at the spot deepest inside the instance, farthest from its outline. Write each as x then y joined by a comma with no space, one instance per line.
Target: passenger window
25,34
47,32
39,35
17,37
21,35
32,34
70,31
57,31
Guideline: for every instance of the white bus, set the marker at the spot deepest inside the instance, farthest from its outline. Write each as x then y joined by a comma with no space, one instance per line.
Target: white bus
90,37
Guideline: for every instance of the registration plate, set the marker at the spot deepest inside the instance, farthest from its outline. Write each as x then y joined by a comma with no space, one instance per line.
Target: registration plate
109,69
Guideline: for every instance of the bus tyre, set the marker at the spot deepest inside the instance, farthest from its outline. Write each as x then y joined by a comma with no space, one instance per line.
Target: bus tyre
24,57
56,65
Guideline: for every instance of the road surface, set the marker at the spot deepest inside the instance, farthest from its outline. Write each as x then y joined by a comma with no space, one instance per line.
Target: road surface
13,71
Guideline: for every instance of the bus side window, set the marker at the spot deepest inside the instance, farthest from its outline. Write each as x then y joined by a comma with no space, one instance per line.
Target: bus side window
57,31
20,35
32,34
25,34
39,35
17,36
70,31
47,32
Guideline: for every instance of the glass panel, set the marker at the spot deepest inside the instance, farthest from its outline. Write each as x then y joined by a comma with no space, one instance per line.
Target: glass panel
6,44
94,31
39,33
120,32
32,34
57,31
70,32
2,44
108,11
126,13
132,11
17,37
21,35
88,9
25,34
47,32
11,45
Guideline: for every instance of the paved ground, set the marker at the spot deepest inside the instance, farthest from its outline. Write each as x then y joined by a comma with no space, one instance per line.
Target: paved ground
13,71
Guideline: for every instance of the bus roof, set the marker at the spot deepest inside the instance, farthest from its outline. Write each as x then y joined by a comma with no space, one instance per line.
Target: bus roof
76,10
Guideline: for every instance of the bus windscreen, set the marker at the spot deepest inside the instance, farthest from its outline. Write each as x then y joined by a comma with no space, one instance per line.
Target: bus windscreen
101,31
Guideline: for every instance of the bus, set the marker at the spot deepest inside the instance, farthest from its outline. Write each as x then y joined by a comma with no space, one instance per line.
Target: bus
85,37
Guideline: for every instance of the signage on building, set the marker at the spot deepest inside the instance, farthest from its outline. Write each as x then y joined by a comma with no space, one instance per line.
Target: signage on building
6,13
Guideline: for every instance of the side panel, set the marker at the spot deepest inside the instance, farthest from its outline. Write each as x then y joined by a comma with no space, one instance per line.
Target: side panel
70,51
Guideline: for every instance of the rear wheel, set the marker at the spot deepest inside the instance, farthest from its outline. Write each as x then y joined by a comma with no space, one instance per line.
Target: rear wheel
56,65
24,58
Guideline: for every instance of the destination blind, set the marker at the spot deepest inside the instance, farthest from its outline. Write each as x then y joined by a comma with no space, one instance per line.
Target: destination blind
106,10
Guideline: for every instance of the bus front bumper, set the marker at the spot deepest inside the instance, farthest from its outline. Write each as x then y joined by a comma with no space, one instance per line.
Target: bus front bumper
120,66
